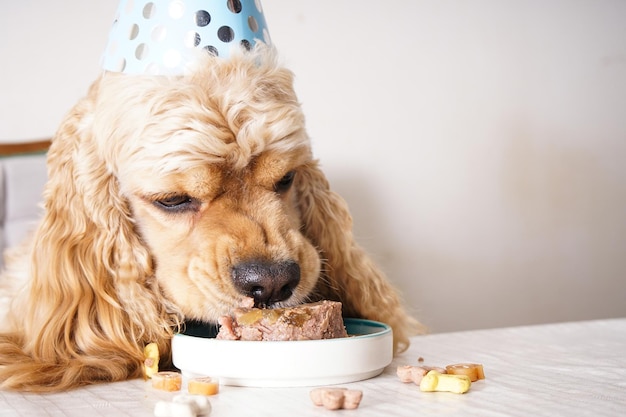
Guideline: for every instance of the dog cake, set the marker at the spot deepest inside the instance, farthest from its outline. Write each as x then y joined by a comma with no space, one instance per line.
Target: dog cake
313,321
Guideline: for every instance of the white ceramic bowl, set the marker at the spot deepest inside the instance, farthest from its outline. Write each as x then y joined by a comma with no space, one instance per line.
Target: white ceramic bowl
363,355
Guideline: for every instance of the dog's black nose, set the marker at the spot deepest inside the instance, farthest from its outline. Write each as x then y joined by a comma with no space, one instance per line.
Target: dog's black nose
266,282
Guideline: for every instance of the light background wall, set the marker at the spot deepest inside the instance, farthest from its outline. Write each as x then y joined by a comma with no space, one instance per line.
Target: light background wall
481,145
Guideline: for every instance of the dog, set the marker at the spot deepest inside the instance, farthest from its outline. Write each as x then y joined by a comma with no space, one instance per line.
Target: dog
172,199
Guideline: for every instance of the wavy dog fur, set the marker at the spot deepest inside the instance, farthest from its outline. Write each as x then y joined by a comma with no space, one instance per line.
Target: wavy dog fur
157,187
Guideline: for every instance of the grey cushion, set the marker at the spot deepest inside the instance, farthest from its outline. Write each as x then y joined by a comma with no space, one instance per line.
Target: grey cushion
22,179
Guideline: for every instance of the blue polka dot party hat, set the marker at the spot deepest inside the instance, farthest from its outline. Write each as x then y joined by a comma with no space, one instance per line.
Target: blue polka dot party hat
166,36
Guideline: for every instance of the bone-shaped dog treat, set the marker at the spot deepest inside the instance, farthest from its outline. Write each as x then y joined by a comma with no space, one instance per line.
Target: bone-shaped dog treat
435,381
183,406
151,362
415,374
336,398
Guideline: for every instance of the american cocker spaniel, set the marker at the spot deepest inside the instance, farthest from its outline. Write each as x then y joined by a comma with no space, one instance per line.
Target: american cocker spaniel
172,199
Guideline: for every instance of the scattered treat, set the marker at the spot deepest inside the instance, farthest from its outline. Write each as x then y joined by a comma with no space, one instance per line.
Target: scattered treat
332,399
404,373
203,385
435,381
420,359
473,370
183,406
352,399
151,361
336,398
455,378
167,381
415,374
313,321
316,394
435,368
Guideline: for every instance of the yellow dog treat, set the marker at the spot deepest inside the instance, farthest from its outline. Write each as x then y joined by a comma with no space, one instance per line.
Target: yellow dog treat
203,385
167,381
435,381
151,361
473,370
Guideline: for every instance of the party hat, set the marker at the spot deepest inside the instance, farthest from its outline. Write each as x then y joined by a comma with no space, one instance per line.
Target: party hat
166,36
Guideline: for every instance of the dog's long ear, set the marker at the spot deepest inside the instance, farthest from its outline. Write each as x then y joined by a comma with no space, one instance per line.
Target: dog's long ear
348,273
92,303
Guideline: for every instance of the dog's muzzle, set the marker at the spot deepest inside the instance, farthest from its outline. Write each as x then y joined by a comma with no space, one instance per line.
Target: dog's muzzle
266,282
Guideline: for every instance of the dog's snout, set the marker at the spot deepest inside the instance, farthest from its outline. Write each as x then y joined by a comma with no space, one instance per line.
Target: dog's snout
266,282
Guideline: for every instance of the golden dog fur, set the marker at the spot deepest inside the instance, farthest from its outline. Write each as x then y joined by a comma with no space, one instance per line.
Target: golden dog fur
157,187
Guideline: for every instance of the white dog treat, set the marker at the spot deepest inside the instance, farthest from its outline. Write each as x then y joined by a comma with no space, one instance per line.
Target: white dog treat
171,409
435,381
183,406
200,403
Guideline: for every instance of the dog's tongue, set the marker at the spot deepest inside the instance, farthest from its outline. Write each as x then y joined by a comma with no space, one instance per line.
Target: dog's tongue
167,36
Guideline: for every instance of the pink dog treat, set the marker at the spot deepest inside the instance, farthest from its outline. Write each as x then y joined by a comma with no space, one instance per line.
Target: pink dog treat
404,373
352,399
332,399
417,373
317,394
336,398
409,373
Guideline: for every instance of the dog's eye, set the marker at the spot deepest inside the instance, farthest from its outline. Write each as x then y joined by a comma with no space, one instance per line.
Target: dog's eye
285,182
177,203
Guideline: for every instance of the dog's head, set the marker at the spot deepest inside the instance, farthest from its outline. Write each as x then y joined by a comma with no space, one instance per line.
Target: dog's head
176,198
208,166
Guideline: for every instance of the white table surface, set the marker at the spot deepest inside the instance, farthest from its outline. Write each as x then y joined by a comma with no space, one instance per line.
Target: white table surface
566,369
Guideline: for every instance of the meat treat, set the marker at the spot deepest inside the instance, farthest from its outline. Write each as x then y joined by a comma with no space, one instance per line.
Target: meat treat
321,320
